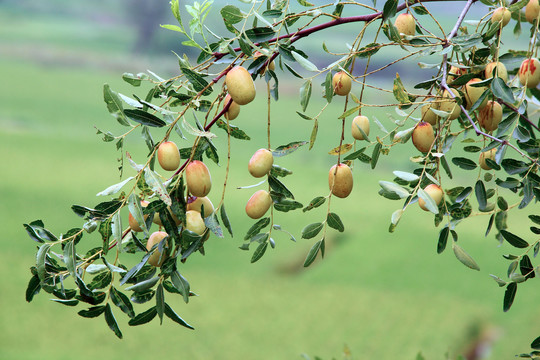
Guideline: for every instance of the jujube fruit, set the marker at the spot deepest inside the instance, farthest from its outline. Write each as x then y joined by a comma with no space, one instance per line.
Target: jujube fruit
261,163
501,15
234,109
405,24
156,238
195,222
361,122
340,180
341,83
490,116
198,179
473,93
240,85
197,203
258,204
423,137
449,104
428,115
499,68
529,73
532,10
168,156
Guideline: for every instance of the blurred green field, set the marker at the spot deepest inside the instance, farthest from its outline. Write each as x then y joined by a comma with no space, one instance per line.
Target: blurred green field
384,295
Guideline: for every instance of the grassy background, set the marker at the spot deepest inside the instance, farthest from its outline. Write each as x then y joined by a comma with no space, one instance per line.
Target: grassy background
384,295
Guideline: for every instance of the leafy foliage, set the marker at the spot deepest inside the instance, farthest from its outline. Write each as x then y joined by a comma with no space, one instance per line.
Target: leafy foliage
495,159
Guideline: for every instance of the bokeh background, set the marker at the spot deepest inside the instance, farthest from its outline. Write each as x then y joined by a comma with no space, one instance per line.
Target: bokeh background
382,295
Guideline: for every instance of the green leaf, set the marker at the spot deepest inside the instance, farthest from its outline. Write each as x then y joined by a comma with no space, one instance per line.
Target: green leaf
399,91
311,230
135,209
394,188
464,163
406,176
169,312
443,238
69,257
38,233
288,149
318,201
465,258
430,203
114,105
231,14
509,296
502,91
535,219
305,3
305,63
312,254
142,286
113,189
235,131
328,88
196,80
122,301
278,187
160,302
260,34
142,117
305,94
259,252
536,343
225,219
514,240
368,50
157,186
34,285
335,222
40,261
181,284
390,9
375,155
464,194
111,321
286,205
71,302
481,196
257,227
92,312
143,317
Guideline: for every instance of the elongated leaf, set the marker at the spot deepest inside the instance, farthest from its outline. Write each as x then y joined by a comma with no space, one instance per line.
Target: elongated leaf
92,312
311,230
143,285
443,238
111,321
481,196
501,90
464,194
430,203
318,201
259,252
181,284
70,302
257,227
122,301
509,296
312,254
144,118
514,240
390,9
339,150
114,105
135,209
174,317
225,219
305,94
40,261
465,258
113,189
144,317
157,186
160,302
278,187
464,163
287,149
305,63
406,175
394,188
32,288
335,222
375,155
536,343
69,257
